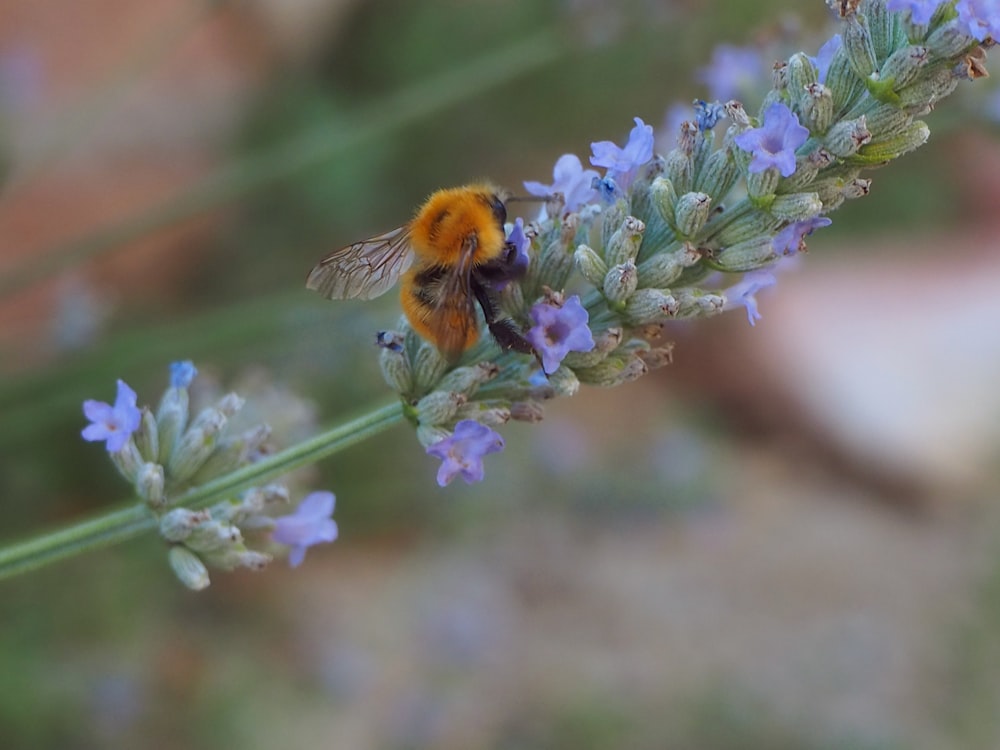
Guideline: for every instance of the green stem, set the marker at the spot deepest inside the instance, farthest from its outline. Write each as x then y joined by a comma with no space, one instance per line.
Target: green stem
127,523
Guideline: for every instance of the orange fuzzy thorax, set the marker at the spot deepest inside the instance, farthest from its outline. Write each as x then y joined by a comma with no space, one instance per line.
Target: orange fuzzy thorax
441,227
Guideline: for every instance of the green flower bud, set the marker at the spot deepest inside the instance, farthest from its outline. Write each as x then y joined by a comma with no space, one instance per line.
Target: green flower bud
904,65
720,172
796,206
664,198
651,306
149,485
531,412
188,568
696,303
466,380
180,523
231,558
664,268
691,213
564,382
761,186
949,40
619,283
393,361
428,366
438,407
623,247
428,435
614,370
801,73
196,445
747,255
493,415
605,342
591,265
128,461
911,138
847,136
147,436
817,107
171,421
858,46
886,120
921,96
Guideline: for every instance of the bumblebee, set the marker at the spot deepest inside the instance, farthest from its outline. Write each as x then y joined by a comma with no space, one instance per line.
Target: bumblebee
453,255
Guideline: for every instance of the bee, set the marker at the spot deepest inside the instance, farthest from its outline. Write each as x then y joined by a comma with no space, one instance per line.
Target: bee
452,256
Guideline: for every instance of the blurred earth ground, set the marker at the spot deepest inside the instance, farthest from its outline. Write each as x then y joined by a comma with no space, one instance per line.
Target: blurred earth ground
787,539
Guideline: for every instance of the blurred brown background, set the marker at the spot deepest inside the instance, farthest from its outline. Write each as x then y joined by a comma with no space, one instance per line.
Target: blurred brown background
788,539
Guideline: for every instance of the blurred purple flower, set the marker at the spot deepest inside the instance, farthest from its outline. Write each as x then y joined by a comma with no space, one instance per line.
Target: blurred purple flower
774,143
623,164
826,54
463,451
733,72
920,10
570,179
182,373
113,424
521,243
559,331
791,239
742,293
310,524
981,17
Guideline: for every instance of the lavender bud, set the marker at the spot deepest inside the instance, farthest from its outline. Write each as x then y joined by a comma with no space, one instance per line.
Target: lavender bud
691,213
428,435
196,445
146,437
651,306
213,536
747,255
926,91
439,407
393,361
664,268
664,198
763,184
847,136
231,558
171,420
619,283
903,66
466,380
801,73
605,342
911,138
614,370
744,226
886,120
949,40
696,303
623,246
719,173
428,366
128,461
527,411
564,382
859,47
149,485
591,265
491,416
817,107
188,568
796,206
178,524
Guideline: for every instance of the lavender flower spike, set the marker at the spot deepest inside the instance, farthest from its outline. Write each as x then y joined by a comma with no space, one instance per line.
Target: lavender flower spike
774,143
462,452
113,424
310,524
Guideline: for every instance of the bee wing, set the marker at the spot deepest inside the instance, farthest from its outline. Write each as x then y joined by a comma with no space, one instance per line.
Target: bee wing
365,269
454,315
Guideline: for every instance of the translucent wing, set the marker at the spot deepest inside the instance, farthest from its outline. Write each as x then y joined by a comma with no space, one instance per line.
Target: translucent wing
454,316
365,269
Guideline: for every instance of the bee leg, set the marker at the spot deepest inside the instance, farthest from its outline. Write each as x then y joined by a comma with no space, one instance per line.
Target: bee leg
504,330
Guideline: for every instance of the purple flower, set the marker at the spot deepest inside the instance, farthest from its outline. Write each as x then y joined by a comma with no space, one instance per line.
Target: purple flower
774,143
920,10
559,331
732,73
826,54
981,17
182,373
570,179
521,243
791,239
623,163
113,424
708,114
462,452
310,524
743,291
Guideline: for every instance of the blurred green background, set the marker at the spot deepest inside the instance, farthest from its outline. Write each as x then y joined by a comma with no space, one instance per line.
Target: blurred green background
788,539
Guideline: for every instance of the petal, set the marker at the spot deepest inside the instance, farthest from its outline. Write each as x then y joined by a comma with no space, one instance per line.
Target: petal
97,411
117,440
296,556
316,505
126,396
95,432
